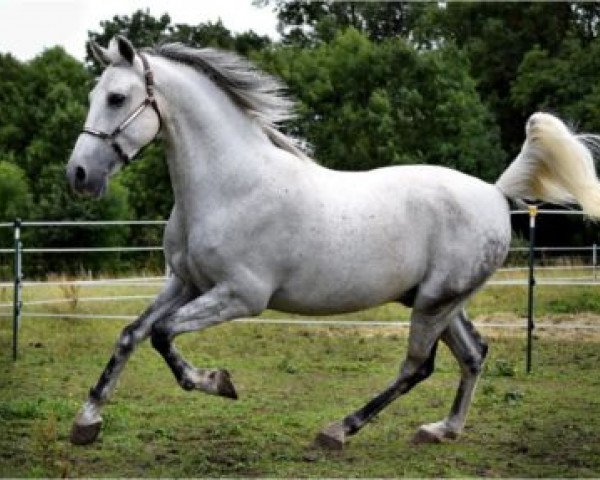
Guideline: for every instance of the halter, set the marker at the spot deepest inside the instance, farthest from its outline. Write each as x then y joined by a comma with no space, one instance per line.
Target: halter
150,100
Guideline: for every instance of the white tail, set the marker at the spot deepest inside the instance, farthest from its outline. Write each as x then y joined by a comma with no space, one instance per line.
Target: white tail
554,165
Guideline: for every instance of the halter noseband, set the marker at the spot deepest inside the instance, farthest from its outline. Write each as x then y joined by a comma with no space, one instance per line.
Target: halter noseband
150,100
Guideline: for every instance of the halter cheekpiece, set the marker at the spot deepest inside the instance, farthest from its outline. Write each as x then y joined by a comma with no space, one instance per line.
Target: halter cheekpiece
150,100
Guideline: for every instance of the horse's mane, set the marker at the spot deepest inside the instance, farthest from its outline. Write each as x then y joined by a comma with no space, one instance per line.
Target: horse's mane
258,94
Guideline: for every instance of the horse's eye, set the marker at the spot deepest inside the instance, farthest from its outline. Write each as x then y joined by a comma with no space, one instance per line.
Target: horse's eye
116,99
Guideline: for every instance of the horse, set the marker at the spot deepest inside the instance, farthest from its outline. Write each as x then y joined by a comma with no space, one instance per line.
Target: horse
257,224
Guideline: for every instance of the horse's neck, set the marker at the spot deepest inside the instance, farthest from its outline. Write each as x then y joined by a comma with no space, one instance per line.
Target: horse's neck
214,151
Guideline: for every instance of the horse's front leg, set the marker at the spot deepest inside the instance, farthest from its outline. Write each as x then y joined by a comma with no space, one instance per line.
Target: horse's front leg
88,420
218,305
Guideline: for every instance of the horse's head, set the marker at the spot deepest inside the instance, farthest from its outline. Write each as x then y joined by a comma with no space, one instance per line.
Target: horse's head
119,123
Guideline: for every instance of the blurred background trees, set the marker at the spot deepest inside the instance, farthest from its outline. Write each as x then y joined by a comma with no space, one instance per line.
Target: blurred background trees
376,83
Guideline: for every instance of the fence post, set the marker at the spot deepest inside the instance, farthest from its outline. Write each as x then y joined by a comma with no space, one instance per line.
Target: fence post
17,286
594,259
530,323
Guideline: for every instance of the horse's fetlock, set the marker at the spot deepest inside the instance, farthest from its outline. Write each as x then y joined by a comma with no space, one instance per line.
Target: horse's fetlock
351,425
95,394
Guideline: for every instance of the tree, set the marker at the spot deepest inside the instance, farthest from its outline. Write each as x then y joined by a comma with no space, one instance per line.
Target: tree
14,102
567,83
144,30
496,36
366,104
586,19
15,199
141,28
306,22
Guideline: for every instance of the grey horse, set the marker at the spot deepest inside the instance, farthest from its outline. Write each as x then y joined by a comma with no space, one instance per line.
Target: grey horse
257,224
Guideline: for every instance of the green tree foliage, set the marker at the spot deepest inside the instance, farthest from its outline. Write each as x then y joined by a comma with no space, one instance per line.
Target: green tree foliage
144,30
366,104
15,199
13,98
496,36
307,22
567,82
58,203
15,202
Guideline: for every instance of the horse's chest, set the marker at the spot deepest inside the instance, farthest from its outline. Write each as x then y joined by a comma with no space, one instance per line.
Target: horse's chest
181,253
206,256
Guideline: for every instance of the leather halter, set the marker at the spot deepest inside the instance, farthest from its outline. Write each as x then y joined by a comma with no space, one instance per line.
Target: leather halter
150,100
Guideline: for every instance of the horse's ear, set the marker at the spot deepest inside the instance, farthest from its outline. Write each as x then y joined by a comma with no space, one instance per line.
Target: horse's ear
99,53
126,49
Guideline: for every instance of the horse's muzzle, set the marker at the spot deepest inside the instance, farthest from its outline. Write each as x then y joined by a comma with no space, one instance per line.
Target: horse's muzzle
83,183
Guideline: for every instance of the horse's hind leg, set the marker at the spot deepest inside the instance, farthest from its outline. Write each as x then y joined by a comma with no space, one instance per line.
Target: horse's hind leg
470,351
88,421
425,330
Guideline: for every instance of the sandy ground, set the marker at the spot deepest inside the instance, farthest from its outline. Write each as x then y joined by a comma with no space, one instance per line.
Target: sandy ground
569,327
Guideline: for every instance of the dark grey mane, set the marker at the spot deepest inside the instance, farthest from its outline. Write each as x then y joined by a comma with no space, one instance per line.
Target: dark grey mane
258,94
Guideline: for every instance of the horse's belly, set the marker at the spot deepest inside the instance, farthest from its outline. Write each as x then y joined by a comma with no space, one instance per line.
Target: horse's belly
356,256
348,290
330,302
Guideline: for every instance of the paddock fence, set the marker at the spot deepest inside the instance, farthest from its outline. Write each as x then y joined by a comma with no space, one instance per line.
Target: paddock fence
556,266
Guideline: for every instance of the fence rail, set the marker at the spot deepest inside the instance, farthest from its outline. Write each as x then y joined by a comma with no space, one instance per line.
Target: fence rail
82,223
18,284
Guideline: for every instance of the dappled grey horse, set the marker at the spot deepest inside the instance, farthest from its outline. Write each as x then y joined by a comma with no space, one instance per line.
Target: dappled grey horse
257,224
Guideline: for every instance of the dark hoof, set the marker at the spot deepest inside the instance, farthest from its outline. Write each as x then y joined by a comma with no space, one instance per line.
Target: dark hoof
85,434
424,436
225,387
332,437
311,455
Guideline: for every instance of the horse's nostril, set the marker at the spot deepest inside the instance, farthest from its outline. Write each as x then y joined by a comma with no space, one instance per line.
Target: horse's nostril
80,174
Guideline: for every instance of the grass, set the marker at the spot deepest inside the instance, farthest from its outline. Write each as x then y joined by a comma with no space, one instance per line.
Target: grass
293,381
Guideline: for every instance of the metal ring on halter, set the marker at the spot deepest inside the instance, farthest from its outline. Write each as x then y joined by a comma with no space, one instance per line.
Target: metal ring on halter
150,100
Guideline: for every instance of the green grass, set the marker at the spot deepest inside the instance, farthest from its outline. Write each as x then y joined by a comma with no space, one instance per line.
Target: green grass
293,381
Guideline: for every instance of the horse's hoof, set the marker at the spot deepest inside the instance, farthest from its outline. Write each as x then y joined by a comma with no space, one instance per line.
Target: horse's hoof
331,437
425,435
85,434
225,387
